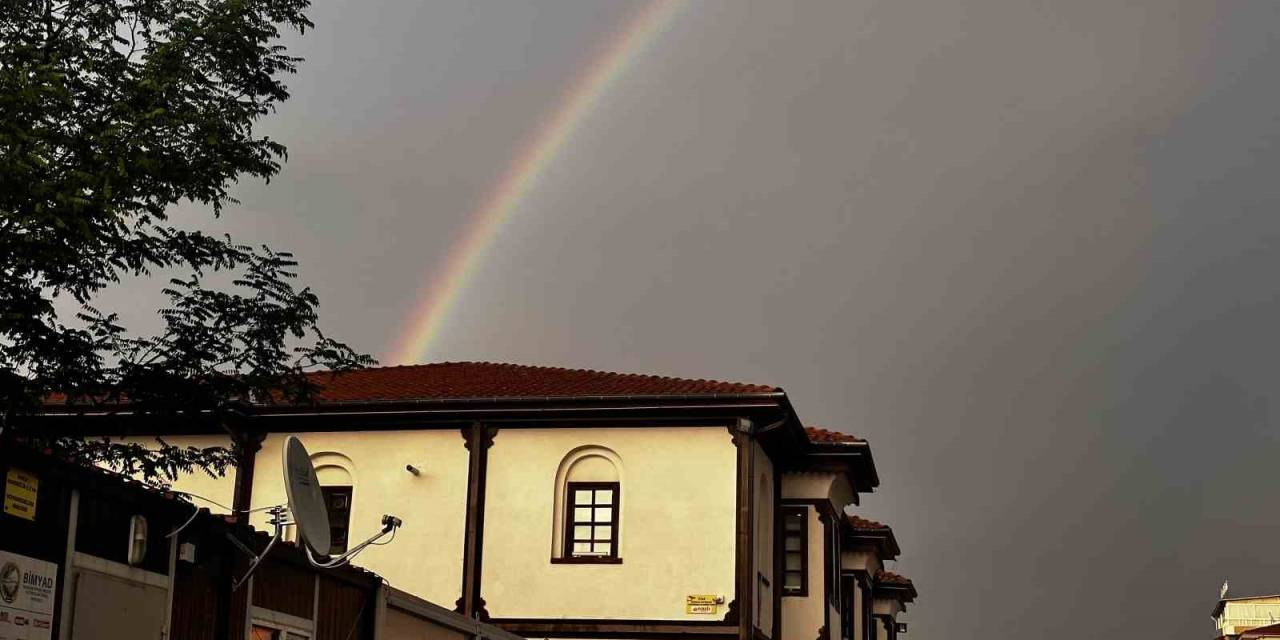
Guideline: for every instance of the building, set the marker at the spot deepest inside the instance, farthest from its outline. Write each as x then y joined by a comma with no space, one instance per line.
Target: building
892,592
87,554
1247,617
568,503
1269,632
875,596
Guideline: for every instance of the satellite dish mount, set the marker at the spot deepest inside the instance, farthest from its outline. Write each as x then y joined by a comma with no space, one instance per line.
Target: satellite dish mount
307,510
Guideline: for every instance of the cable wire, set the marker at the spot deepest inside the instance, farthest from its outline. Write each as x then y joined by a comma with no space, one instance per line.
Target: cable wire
213,502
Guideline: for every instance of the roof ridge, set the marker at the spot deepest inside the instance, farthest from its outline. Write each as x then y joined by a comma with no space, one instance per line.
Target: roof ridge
539,367
483,379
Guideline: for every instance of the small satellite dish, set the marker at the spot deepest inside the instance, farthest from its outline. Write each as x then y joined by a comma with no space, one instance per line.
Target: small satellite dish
307,509
306,501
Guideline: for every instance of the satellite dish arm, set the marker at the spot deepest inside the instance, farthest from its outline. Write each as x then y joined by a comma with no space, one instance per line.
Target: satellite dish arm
308,508
389,525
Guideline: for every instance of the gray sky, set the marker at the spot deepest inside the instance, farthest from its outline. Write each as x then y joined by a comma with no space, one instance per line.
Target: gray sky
1026,248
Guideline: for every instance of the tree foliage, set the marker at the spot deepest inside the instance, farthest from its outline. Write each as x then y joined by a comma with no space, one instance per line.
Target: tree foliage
112,113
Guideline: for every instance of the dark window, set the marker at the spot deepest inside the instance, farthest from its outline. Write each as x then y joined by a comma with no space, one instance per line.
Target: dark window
833,561
338,501
868,622
795,549
591,521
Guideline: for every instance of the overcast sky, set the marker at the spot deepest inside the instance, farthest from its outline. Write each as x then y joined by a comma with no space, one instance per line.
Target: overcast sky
1027,248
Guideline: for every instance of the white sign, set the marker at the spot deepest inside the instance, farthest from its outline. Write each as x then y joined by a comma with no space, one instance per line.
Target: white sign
27,588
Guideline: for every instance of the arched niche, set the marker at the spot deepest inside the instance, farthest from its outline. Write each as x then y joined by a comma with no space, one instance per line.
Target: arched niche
590,463
333,469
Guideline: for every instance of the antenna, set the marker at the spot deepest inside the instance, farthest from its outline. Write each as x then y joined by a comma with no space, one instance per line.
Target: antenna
306,508
306,503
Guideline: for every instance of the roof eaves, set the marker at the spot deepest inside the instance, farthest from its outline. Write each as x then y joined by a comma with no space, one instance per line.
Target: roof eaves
882,540
656,397
858,457
895,586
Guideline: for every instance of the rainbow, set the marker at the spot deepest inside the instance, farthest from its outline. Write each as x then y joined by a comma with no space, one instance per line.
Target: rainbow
497,207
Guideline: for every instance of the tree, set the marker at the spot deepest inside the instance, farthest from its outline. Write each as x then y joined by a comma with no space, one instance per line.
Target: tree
111,113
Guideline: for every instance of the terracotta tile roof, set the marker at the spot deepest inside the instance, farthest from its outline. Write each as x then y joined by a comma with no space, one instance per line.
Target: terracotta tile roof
895,583
826,436
458,380
862,524
887,577
879,536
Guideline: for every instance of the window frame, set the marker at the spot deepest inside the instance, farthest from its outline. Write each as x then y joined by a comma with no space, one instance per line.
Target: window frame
326,491
566,552
282,631
803,533
285,626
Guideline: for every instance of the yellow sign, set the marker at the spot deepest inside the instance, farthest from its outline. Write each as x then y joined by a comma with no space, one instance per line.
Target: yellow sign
20,489
704,604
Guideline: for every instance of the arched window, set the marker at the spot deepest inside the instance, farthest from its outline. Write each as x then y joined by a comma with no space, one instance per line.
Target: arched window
588,505
333,470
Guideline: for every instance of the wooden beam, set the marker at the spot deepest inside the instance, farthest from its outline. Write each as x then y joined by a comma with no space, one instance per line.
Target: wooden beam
622,628
477,438
745,573
247,444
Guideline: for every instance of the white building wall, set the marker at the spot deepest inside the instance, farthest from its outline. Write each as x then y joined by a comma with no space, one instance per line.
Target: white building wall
425,558
677,502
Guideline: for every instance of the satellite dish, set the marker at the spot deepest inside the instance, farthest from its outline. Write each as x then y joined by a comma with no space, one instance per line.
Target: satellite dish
306,501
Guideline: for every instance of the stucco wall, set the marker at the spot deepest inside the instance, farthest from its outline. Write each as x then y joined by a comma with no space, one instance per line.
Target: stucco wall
220,489
426,557
802,617
869,562
833,487
861,560
677,516
675,535
886,606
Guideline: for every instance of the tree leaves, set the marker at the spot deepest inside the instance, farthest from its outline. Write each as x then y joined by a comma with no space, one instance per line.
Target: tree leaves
111,112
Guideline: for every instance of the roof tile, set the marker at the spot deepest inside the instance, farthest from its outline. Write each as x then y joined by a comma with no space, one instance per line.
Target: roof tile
826,436
900,586
861,524
888,577
459,380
